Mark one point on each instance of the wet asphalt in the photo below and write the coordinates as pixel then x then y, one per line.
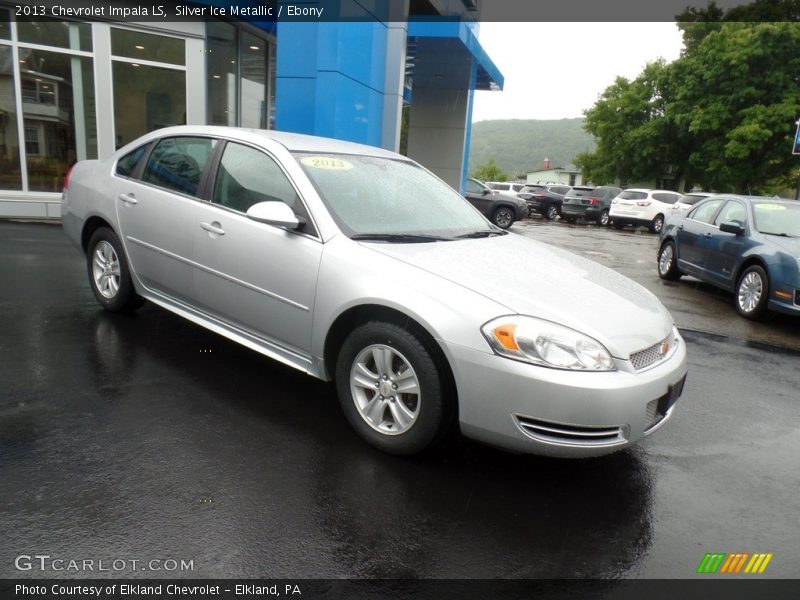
pixel 145 436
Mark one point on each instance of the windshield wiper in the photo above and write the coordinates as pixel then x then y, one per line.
pixel 782 234
pixel 399 238
pixel 481 234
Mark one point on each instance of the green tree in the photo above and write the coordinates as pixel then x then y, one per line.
pixel 721 116
pixel 490 171
pixel 736 100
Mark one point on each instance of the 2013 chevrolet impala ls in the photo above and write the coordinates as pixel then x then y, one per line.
pixel 357 265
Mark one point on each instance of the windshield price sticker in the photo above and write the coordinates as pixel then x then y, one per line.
pixel 770 206
pixel 325 162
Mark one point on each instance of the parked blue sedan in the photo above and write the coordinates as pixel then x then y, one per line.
pixel 746 245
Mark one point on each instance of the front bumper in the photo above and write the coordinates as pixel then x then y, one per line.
pixel 536 410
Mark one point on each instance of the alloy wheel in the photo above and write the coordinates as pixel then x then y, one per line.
pixel 750 290
pixel 385 389
pixel 106 270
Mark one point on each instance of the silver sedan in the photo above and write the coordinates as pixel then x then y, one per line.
pixel 357 265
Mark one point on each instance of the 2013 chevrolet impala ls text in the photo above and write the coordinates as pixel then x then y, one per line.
pixel 357 265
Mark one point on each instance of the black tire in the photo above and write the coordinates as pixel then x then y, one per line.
pixel 124 298
pixel 657 224
pixel 602 219
pixel 753 281
pixel 667 262
pixel 434 405
pixel 551 212
pixel 503 217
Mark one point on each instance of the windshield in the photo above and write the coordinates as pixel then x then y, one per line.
pixel 369 195
pixel 777 218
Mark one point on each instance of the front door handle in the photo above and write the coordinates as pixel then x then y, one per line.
pixel 128 198
pixel 681 226
pixel 706 235
pixel 214 227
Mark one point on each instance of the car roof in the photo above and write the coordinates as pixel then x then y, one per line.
pixel 294 142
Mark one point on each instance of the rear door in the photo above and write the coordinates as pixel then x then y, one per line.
pixel 256 277
pixel 155 205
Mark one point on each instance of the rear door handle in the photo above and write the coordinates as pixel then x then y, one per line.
pixel 128 198
pixel 214 227
pixel 681 227
pixel 706 235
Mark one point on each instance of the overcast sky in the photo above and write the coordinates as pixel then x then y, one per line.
pixel 556 70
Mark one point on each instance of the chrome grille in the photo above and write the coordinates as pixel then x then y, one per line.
pixel 653 354
pixel 562 433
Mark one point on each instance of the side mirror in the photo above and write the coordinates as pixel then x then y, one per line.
pixel 486 192
pixel 732 227
pixel 274 213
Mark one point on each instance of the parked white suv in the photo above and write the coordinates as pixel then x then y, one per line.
pixel 648 208
pixel 505 186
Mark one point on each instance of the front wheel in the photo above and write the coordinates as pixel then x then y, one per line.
pixel 109 276
pixel 668 263
pixel 551 212
pixel 503 217
pixel 390 389
pixel 752 293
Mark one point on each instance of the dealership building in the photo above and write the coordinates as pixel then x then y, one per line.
pixel 73 90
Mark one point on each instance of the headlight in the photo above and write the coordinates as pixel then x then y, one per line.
pixel 547 344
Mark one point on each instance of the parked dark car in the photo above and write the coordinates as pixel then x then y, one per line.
pixel 544 199
pixel 592 204
pixel 500 209
pixel 746 245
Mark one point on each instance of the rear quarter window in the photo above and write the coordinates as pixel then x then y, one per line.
pixel 127 164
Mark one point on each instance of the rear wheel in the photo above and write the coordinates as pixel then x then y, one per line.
pixel 657 224
pixel 668 262
pixel 602 219
pixel 551 212
pixel 109 276
pixel 752 293
pixel 391 390
pixel 503 217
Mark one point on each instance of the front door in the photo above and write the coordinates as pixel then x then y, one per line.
pixel 256 277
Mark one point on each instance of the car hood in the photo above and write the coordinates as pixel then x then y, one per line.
pixel 790 245
pixel 532 278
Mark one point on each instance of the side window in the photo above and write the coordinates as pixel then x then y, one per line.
pixel 473 188
pixel 127 164
pixel 666 198
pixel 705 212
pixel 247 176
pixel 178 163
pixel 733 211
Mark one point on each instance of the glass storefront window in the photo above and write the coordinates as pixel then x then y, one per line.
pixel 5 25
pixel 253 70
pixel 145 46
pixel 10 174
pixel 58 108
pixel 75 36
pixel 221 72
pixel 146 98
pixel 272 68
